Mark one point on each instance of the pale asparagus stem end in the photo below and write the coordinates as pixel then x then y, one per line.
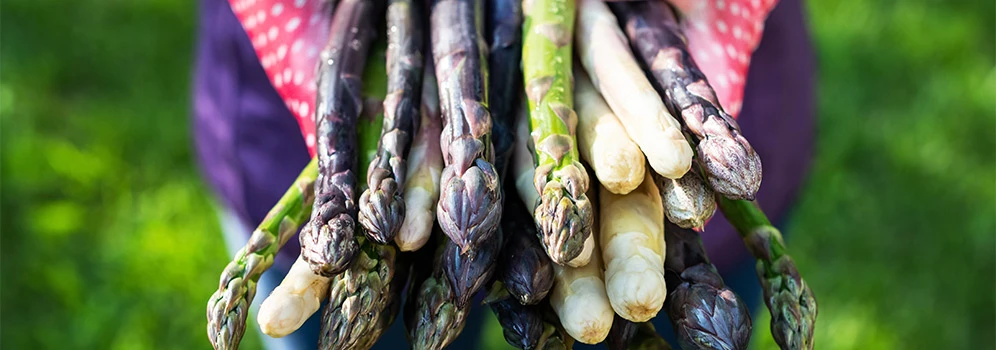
pixel 417 226
pixel 297 297
pixel 635 286
pixel 470 204
pixel 788 297
pixel 593 329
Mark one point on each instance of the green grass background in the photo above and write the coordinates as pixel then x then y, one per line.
pixel 110 241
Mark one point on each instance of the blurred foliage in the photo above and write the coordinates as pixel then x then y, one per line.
pixel 110 239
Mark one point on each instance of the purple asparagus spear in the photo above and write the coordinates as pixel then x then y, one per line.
pixel 382 206
pixel 470 198
pixel 731 165
pixel 328 246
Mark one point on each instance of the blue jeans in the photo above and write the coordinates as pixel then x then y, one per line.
pixel 742 280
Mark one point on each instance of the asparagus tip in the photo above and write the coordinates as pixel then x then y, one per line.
pixel 732 165
pixel 564 222
pixel 333 245
pixel 710 313
pixel 382 211
pixel 469 204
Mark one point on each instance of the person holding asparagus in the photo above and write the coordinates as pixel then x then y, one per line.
pixel 563 139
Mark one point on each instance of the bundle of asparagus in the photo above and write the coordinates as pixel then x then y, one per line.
pixel 419 129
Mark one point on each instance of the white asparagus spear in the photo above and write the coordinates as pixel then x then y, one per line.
pixel 632 242
pixel 425 165
pixel 617 161
pixel 606 56
pixel 524 170
pixel 579 297
pixel 297 297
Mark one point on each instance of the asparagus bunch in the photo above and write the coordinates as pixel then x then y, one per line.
pixel 788 297
pixel 328 245
pixel 731 165
pixel 704 312
pixel 606 57
pixel 422 185
pixel 228 307
pixel 470 199
pixel 564 212
pixel 688 201
pixel 382 206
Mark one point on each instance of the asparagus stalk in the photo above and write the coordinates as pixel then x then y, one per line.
pixel 704 312
pixel 564 212
pixel 422 185
pixel 688 201
pixel 524 268
pixel 788 297
pixel 524 169
pixel 470 200
pixel 617 161
pixel 228 307
pixel 360 299
pixel 731 165
pixel 632 240
pixel 504 28
pixel 606 57
pixel 433 317
pixel 328 245
pixel 580 300
pixel 382 206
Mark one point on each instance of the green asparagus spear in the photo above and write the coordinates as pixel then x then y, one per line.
pixel 791 302
pixel 433 317
pixel 328 245
pixel 228 307
pixel 704 312
pixel 470 199
pixel 731 165
pixel 504 27
pixel 361 299
pixel 382 206
pixel 564 212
